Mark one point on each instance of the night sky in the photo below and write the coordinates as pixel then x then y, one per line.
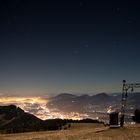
pixel 75 46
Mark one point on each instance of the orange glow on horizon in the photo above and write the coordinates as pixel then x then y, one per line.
pixel 14 100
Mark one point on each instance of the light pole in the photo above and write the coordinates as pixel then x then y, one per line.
pixel 126 87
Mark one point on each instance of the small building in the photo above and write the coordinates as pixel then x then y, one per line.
pixel 113 119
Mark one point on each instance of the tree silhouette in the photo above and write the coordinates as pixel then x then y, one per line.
pixel 136 117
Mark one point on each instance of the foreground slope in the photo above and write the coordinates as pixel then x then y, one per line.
pixel 81 132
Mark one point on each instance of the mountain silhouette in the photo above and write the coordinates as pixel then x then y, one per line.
pixel 69 102
pixel 84 103
pixel 14 120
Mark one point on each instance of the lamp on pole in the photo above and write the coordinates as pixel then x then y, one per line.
pixel 126 87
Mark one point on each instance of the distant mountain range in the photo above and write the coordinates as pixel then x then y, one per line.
pixel 68 102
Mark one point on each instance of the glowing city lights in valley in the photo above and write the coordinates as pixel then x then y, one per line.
pixel 38 107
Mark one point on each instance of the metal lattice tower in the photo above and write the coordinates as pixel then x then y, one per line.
pixel 126 88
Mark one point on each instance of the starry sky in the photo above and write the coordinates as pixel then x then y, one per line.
pixel 75 46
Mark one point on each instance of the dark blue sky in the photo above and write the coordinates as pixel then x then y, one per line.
pixel 78 46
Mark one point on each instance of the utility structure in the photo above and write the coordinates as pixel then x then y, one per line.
pixel 126 88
